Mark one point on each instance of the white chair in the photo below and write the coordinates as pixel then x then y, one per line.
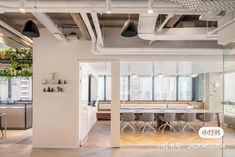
pixel 126 119
pixel 168 118
pixel 206 117
pixel 148 119
pixel 188 118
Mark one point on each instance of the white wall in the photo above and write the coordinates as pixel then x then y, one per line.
pixel 56 115
pixel 55 121
pixel 87 113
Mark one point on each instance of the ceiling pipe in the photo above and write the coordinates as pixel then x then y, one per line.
pixel 97 49
pixel 50 25
pixel 14 31
pixel 98 6
pixel 180 34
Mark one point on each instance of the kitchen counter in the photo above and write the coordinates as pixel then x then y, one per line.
pixel 19 115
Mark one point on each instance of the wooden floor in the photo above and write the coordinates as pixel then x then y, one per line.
pixel 99 136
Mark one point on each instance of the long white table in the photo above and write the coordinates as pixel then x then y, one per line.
pixel 170 110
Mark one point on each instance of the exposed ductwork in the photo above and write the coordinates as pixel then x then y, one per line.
pixel 96 47
pixel 98 6
pixel 180 34
pixel 50 25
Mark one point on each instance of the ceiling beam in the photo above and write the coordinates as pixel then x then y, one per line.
pixel 81 25
pixel 12 40
pixel 97 28
pixel 173 21
pixel 9 22
pixel 169 16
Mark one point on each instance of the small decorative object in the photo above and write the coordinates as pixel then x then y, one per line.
pixel 59 82
pixel 48 89
pixel 65 82
pixel 44 81
pixel 52 79
pixel 217 84
pixel 52 89
pixel 44 90
pixel 60 89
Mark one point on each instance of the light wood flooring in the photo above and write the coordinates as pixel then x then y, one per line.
pixel 99 136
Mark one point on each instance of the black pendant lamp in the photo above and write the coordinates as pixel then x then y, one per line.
pixel 30 29
pixel 129 29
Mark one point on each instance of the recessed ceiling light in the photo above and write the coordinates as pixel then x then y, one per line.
pixel 108 12
pixel 150 11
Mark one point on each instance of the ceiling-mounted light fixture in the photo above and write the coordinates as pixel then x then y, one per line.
pixel 134 75
pixel 30 29
pixel 150 7
pixel 129 29
pixel 194 75
pixel 22 6
pixel 108 6
pixel 160 75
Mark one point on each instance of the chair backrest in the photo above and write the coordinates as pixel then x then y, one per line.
pixel 148 117
pixel 189 117
pixel 169 117
pixel 127 117
pixel 208 117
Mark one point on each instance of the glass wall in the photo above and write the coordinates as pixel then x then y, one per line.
pixel 185 88
pixel 165 88
pixel 141 88
pixel 229 95
pixel 150 87
pixel 18 88
pixel 174 99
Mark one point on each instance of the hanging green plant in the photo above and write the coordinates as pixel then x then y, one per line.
pixel 19 61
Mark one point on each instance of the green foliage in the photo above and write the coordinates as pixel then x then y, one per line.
pixel 19 61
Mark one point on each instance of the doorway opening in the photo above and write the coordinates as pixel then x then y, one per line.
pixel 95 104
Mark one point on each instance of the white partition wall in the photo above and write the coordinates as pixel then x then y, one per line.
pixel 115 103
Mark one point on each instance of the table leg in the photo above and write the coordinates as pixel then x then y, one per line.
pixel 5 126
pixel 218 119
pixel 1 126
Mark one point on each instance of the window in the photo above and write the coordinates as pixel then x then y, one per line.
pixel 16 89
pixel 101 88
pixel 3 89
pixel 185 88
pixel 165 88
pixel 229 86
pixel 108 88
pixel 141 88
pixel 124 87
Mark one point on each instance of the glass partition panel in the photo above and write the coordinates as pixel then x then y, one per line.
pixel 185 88
pixel 229 96
pixel 164 88
pixel 141 88
pixel 168 103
